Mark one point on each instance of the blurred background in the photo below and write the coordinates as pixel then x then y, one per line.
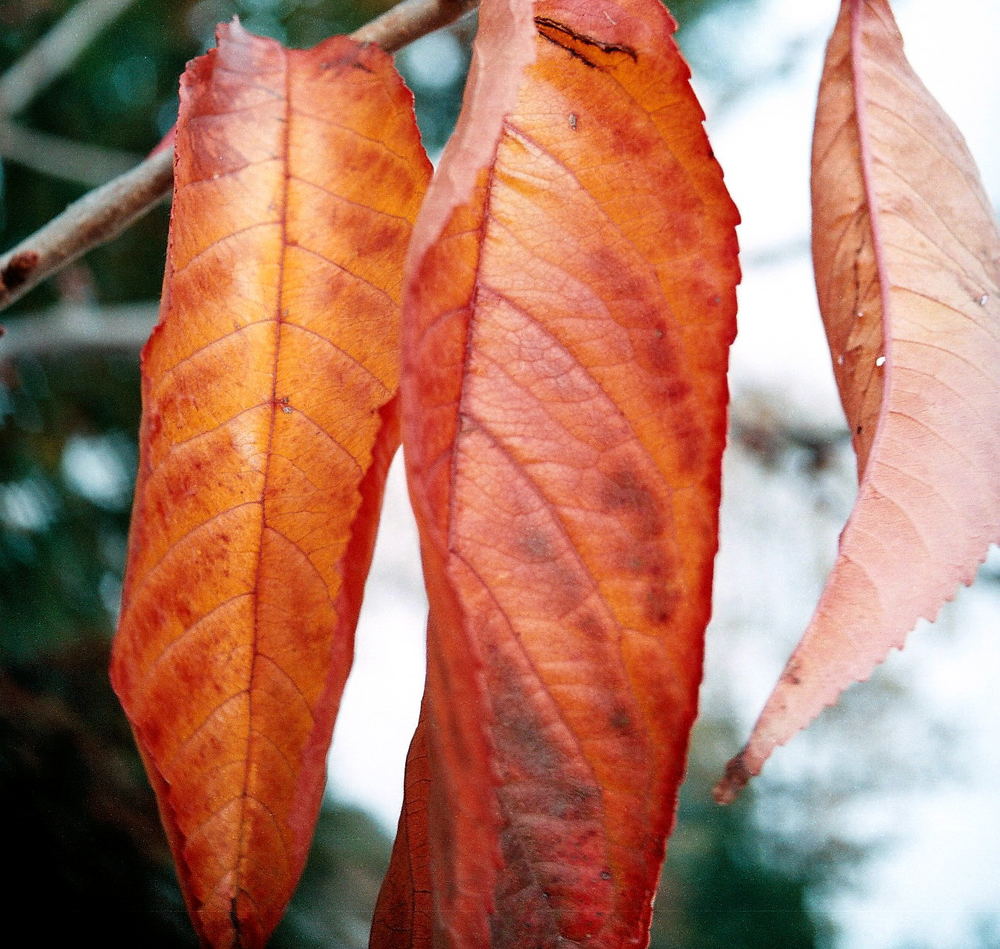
pixel 877 829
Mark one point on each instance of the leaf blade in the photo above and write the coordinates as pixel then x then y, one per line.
pixel 258 494
pixel 558 346
pixel 906 255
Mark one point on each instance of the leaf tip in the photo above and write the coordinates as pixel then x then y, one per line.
pixel 736 776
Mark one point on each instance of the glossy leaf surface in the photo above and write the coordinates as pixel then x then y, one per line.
pixel 269 418
pixel 907 261
pixel 569 306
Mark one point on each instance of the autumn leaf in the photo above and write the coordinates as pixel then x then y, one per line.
pixel 269 418
pixel 907 260
pixel 404 915
pixel 568 309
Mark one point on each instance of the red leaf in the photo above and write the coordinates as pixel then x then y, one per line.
pixel 906 254
pixel 569 306
pixel 269 417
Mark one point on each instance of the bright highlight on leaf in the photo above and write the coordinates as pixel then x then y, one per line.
pixel 907 260
pixel 269 418
pixel 568 310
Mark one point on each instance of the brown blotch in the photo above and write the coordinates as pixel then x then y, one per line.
pixel 624 492
pixel 620 720
pixel 591 627
pixel 377 239
pixel 17 271
pixel 520 734
pixel 676 390
pixel 534 544
pixel 604 262
pixel 661 604
pixel 660 348
pixel 645 560
pixel 791 674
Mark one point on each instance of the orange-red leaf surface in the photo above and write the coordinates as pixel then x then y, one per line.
pixel 269 417
pixel 907 260
pixel 569 305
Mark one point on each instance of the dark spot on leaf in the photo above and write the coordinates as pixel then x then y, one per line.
pixel 18 269
pixel 623 492
pixel 377 239
pixel 791 674
pixel 590 626
pixel 621 721
pixel 660 350
pixel 661 604
pixel 535 545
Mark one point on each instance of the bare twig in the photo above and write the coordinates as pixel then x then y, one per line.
pixel 55 52
pixel 79 162
pixel 71 328
pixel 410 20
pixel 104 213
pixel 95 219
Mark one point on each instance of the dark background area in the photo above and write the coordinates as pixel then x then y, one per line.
pixel 79 823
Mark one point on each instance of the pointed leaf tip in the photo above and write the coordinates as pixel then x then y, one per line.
pixel 736 777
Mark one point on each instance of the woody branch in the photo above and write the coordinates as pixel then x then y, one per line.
pixel 105 212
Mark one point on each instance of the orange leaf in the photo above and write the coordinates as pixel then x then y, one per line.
pixel 567 315
pixel 906 254
pixel 405 914
pixel 269 417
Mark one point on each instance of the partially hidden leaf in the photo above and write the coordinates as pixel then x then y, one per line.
pixel 907 260
pixel 270 413
pixel 569 305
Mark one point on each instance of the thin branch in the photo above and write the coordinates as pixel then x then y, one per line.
pixel 78 162
pixel 104 213
pixel 96 218
pixel 55 52
pixel 410 20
